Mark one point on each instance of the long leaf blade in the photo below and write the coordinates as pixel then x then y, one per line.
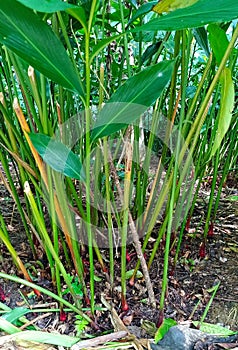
pixel 132 99
pixel 7 327
pixel 24 33
pixel 58 156
pixel 40 337
pixel 214 329
pixel 218 41
pixel 201 13
pixel 15 314
pixel 226 108
pixel 47 6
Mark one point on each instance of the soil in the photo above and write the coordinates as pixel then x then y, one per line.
pixel 190 284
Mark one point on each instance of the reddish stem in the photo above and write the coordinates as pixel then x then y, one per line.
pixel 160 318
pixel 124 305
pixel 87 301
pixel 187 226
pixel 132 281
pixel 211 230
pixel 202 250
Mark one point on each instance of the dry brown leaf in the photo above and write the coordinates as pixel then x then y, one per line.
pixel 7 343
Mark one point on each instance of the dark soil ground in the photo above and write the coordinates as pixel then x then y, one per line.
pixel 190 283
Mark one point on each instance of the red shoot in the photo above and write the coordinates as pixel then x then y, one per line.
pixel 124 305
pixel 211 230
pixel 128 256
pixel 63 316
pixel 187 226
pixel 37 293
pixel 171 272
pixel 202 250
pixel 132 281
pixel 87 300
pixel 160 319
pixel 2 295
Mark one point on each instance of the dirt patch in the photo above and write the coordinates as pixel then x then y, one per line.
pixel 189 283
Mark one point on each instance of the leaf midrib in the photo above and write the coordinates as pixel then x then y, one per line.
pixel 126 106
pixel 36 48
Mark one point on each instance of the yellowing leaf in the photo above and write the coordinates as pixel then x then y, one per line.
pixel 171 5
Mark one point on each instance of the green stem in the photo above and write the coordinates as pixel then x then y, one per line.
pixel 88 151
pixel 47 240
pixel 215 289
pixel 12 189
pixel 46 292
pixel 109 214
pixel 126 202
pixel 211 198
pixel 125 38
pixel 196 127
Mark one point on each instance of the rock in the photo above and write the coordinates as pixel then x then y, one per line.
pixel 179 338
pixel 184 338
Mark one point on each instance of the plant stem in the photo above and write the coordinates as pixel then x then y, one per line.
pixel 46 292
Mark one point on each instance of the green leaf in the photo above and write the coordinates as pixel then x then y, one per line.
pixel 142 10
pixel 7 327
pixel 218 41
pixel 201 13
pixel 97 278
pixel 101 44
pixel 226 107
pixel 200 35
pixel 79 14
pixel 47 6
pixel 150 51
pixel 15 314
pixel 76 285
pixel 163 329
pixel 4 307
pixel 232 198
pixel 132 99
pixel 58 156
pixel 45 338
pixel 24 33
pixel 213 329
pixel 130 273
